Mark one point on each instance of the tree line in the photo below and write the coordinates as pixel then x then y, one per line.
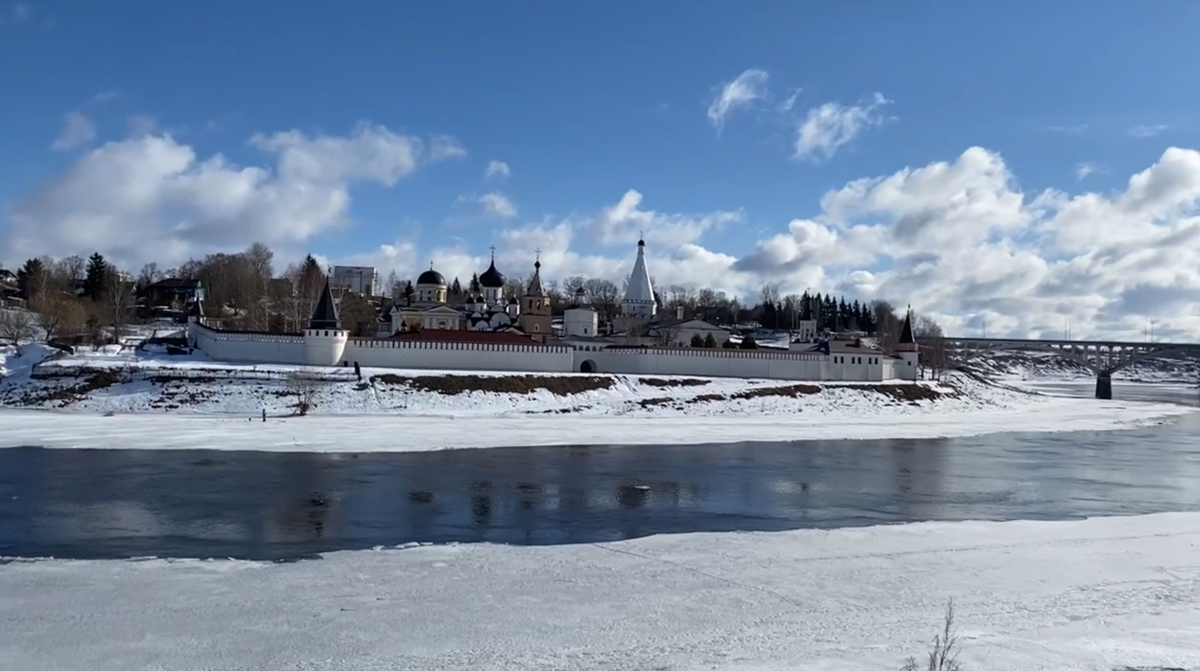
pixel 73 295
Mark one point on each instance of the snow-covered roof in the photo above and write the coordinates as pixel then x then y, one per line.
pixel 639 290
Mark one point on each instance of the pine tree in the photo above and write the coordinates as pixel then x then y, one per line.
pixel 96 278
pixel 474 286
pixel 709 341
pixel 697 341
pixel 31 279
pixel 456 290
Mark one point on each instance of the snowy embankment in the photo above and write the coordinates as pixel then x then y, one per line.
pixel 117 399
pixel 1107 593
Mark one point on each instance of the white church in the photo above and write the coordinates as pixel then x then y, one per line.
pixel 492 331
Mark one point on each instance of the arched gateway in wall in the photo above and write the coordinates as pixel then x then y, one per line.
pixel 588 366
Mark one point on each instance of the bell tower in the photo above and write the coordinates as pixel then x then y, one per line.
pixel 534 319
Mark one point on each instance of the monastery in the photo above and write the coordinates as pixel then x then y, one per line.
pixel 492 331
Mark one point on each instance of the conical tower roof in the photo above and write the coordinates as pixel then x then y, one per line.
pixel 906 331
pixel 640 291
pixel 325 317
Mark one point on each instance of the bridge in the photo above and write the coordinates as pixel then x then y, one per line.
pixel 1103 357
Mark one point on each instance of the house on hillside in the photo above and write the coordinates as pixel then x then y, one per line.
pixel 174 291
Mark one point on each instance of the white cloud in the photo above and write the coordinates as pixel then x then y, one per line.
pixel 1146 131
pixel 1082 170
pixel 958 239
pixel 498 204
pixel 830 126
pixel 151 198
pixel 624 222
pixel 104 97
pixel 498 169
pixel 445 147
pixel 77 131
pixel 748 88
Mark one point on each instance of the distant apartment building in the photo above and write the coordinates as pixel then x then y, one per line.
pixel 362 280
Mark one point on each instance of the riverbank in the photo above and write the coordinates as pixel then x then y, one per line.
pixel 1099 593
pixel 134 400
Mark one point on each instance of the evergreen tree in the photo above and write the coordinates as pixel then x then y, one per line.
pixel 806 311
pixel 408 292
pixel 31 279
pixel 96 278
pixel 474 285
pixel 709 341
pixel 749 343
pixel 310 272
pixel 456 290
pixel 697 341
pixel 728 344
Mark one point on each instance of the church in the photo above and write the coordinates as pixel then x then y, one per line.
pixel 488 310
pixel 495 308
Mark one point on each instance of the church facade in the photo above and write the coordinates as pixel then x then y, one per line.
pixel 495 329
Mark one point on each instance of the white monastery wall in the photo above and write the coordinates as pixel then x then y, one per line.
pixel 459 356
pixel 248 347
pixel 735 363
pixel 375 353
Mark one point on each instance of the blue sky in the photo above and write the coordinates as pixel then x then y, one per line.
pixel 584 101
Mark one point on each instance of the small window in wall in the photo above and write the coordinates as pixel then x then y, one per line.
pixel 327 334
pixel 910 363
pixel 585 330
pixel 537 327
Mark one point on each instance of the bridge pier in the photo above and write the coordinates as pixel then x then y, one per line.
pixel 1104 386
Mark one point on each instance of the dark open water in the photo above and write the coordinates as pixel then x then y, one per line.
pixel 123 503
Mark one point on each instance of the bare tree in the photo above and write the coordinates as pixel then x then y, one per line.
pixel 943 652
pixel 306 387
pixel 667 334
pixel 17 325
pixel 604 296
pixel 118 298
pixel 932 342
pixel 572 284
pixel 358 315
pixel 148 275
pixel 58 313
pixel 69 270
pixel 393 287
pixel 256 272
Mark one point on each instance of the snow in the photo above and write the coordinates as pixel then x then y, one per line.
pixel 1101 593
pixel 353 416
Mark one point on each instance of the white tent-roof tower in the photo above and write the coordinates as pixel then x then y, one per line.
pixel 639 294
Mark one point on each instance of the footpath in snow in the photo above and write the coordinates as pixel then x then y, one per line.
pixel 1108 593
pixel 118 400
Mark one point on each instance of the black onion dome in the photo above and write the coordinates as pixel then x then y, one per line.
pixel 491 278
pixel 431 276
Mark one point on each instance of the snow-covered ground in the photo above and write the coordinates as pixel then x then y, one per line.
pixel 119 397
pixel 1105 593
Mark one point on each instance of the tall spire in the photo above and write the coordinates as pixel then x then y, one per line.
pixel 906 331
pixel 325 317
pixel 639 294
